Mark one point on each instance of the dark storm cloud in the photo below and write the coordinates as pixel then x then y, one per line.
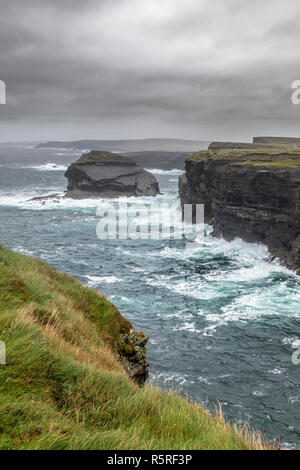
pixel 140 68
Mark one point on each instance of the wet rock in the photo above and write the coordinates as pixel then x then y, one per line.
pixel 133 355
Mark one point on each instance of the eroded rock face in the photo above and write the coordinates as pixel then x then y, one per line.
pixel 296 253
pixel 108 175
pixel 257 202
pixel 133 355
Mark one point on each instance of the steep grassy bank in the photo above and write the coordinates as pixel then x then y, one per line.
pixel 63 387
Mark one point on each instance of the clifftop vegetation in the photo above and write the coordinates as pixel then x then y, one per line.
pixel 286 157
pixel 101 156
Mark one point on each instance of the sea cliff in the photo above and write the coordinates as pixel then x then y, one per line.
pixel 249 193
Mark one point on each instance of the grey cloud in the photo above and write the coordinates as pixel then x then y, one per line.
pixel 204 69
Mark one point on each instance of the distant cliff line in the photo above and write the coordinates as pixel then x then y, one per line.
pixel 130 145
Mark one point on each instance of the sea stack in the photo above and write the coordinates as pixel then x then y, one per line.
pixel 108 175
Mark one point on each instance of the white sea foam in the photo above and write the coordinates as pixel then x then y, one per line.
pixel 276 371
pixel 291 341
pixel 158 171
pixel 171 378
pixel 24 200
pixel 23 251
pixel 248 307
pixel 181 314
pixel 294 399
pixel 48 167
pixel 187 326
pixel 137 270
pixel 16 199
pixel 258 393
pixel 121 298
pixel 249 267
pixel 95 280
pixel 69 154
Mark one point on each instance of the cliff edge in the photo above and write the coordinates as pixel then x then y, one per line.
pixel 249 193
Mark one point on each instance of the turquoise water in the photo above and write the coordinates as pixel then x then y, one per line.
pixel 222 320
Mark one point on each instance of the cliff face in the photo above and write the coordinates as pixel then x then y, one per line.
pixel 252 194
pixel 104 174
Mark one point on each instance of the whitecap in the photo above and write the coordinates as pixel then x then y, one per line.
pixel 69 154
pixel 171 377
pixel 47 167
pixel 291 341
pixel 276 371
pixel 23 251
pixel 94 280
pixel 187 326
pixel 158 171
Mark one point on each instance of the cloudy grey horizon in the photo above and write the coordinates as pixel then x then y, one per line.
pixel 116 69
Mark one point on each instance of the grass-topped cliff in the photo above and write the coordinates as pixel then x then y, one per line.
pixel 63 386
pixel 281 157
pixel 252 193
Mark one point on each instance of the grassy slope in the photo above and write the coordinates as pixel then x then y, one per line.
pixel 259 157
pixel 62 387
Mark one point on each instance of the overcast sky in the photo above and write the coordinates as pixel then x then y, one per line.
pixel 200 69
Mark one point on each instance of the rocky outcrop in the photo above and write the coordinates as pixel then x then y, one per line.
pixel 108 175
pixel 252 194
pixel 133 355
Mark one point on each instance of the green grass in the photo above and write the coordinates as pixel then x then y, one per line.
pixel 277 140
pixel 62 386
pixel 288 163
pixel 258 157
pixel 247 145
pixel 101 156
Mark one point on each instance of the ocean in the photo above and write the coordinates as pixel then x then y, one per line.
pixel 223 321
